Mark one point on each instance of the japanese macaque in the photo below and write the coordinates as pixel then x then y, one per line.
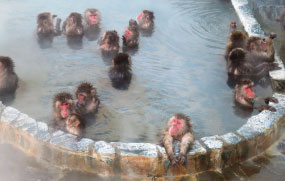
pixel 92 20
pixel 131 35
pixel 110 42
pixel 46 30
pixel 87 100
pixel 72 26
pixel 75 124
pixel 120 71
pixel 145 20
pixel 245 96
pixel 261 49
pixel 233 26
pixel 178 128
pixel 8 78
pixel 240 64
pixel 63 106
pixel 237 39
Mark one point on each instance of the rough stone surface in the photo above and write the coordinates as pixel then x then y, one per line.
pixel 9 114
pixel 142 149
pixel 197 148
pixel 212 142
pixel 231 138
pixel 1 107
pixel 63 138
pixel 21 120
pixel 101 147
pixel 57 133
pixel 81 145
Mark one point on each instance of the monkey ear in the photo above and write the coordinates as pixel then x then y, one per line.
pixel 57 104
pixel 76 123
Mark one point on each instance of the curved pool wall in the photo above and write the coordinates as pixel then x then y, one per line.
pixel 145 160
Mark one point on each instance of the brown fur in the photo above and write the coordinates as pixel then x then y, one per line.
pixel 184 135
pixel 75 124
pixel 58 100
pixel 132 41
pixel 110 41
pixel 94 12
pixel 74 29
pixel 146 22
pixel 91 101
pixel 45 25
pixel 237 39
pixel 8 77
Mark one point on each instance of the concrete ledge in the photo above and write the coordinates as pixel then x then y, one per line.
pixel 140 160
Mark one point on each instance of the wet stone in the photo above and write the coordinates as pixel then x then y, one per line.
pixel 197 148
pixel 81 145
pixel 212 142
pixel 9 114
pixel 1 107
pixel 231 138
pixel 57 133
pixel 101 147
pixel 62 138
pixel 247 132
pixel 160 149
pixel 21 120
pixel 43 136
pixel 142 149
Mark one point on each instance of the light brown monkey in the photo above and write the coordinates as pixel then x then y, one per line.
pixel 92 18
pixel 245 96
pixel 8 77
pixel 178 128
pixel 72 26
pixel 87 100
pixel 110 41
pixel 45 25
pixel 75 124
pixel 131 35
pixel 63 107
pixel 145 19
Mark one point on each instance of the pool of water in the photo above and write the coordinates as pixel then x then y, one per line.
pixel 179 68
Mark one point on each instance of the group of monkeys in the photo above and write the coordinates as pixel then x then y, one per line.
pixel 249 59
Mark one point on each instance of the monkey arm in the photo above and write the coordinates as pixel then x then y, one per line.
pixel 186 141
pixel 168 145
pixel 57 27
pixel 64 27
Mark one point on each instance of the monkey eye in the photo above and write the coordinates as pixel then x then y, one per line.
pixel 66 104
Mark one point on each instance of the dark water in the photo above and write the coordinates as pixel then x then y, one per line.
pixel 180 68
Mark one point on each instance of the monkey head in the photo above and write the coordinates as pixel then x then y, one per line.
pixel 237 35
pixel 111 37
pixel 122 60
pixel 244 93
pixel 145 19
pixel 45 23
pixel 6 64
pixel 272 35
pixel 258 44
pixel 178 125
pixel 85 92
pixel 233 25
pixel 74 124
pixel 63 104
pixel 92 16
pixel 74 19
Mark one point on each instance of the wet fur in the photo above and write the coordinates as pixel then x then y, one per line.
pixel 110 41
pixel 146 22
pixel 237 39
pixel 59 99
pixel 132 41
pixel 75 29
pixel 8 77
pixel 72 128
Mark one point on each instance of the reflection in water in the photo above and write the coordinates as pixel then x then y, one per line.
pixel 74 42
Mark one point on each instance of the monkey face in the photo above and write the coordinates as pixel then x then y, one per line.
pixel 176 125
pixel 93 18
pixel 81 97
pixel 65 109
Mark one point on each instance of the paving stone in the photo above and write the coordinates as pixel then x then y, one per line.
pixel 212 142
pixel 142 149
pixel 102 147
pixel 231 138
pixel 62 139
pixel 9 114
pixel 197 148
pixel 21 120
pixel 81 145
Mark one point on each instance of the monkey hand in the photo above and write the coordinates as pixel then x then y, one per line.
pixel 58 20
pixel 273 66
pixel 266 107
pixel 182 158
pixel 174 163
pixel 270 99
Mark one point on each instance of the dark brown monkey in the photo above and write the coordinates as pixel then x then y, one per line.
pixel 120 71
pixel 261 49
pixel 75 124
pixel 72 26
pixel 237 39
pixel 92 20
pixel 245 96
pixel 131 35
pixel 145 20
pixel 8 78
pixel 63 106
pixel 45 25
pixel 178 128
pixel 110 41
pixel 87 100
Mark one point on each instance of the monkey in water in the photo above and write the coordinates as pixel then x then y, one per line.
pixel 131 35
pixel 75 124
pixel 8 77
pixel 179 127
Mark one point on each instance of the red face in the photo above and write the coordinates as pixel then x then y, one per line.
pixel 93 18
pixel 64 110
pixel 263 44
pixel 127 34
pixel 80 97
pixel 233 24
pixel 140 16
pixel 71 21
pixel 249 92
pixel 176 125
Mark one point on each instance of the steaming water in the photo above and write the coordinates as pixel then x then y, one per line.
pixel 179 68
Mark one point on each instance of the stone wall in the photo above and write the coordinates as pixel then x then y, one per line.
pixel 139 160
